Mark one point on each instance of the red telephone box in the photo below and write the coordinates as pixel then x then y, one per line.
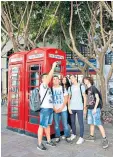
pixel 16 92
pixel 24 73
pixel 39 61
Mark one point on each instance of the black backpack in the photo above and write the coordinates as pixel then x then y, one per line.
pixel 52 90
pixel 80 93
pixel 100 97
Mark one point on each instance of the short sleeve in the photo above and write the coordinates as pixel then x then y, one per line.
pixel 83 89
pixel 86 91
pixel 94 90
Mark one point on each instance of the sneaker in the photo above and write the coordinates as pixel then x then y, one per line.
pixel 51 143
pixel 90 138
pixel 57 140
pixel 41 147
pixel 68 139
pixel 71 131
pixel 105 143
pixel 63 137
pixel 73 137
pixel 80 140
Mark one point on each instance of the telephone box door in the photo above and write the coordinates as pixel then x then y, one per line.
pixel 16 97
pixel 34 70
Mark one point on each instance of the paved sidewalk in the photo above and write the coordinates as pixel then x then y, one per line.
pixel 18 145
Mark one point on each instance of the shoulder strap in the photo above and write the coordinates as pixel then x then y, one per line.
pixel 44 96
pixel 63 89
pixel 81 93
pixel 52 90
pixel 71 91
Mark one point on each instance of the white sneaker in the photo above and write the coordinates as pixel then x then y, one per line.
pixel 73 137
pixel 63 137
pixel 80 140
pixel 71 131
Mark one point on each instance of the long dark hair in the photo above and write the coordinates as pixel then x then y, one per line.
pixel 67 85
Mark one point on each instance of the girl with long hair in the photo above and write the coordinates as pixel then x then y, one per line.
pixel 65 85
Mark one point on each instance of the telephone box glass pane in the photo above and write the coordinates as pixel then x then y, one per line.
pixel 14 102
pixel 34 73
pixel 34 83
pixel 14 112
pixel 34 68
pixel 14 96
pixel 14 92
pixel 14 76
pixel 15 82
pixel 15 69
pixel 32 119
pixel 14 89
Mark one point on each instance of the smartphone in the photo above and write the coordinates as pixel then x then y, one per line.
pixel 58 62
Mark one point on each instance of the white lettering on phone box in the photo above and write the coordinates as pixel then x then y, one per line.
pixel 16 59
pixel 56 56
pixel 36 56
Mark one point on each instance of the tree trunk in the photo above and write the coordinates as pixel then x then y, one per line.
pixel 103 89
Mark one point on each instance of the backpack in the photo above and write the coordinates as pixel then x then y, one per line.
pixel 35 101
pixel 80 93
pixel 100 97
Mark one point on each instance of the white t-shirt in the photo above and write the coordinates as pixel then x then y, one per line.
pixel 47 103
pixel 58 97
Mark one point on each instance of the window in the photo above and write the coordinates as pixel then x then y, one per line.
pixel 34 75
pixel 33 89
pixel 109 58
pixel 14 90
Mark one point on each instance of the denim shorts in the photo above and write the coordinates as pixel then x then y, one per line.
pixel 94 119
pixel 46 117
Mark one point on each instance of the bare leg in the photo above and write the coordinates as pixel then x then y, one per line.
pixel 92 129
pixel 47 131
pixel 101 128
pixel 40 134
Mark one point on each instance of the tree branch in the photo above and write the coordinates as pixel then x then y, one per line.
pixel 4 30
pixel 39 32
pixel 101 24
pixel 104 49
pixel 50 24
pixel 107 9
pixel 8 27
pixel 22 18
pixel 74 57
pixel 26 28
pixel 80 18
pixel 73 43
pixel 4 44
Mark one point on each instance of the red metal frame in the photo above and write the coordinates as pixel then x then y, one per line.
pixel 45 60
pixel 39 56
pixel 16 60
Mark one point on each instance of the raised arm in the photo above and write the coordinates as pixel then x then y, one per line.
pixel 49 76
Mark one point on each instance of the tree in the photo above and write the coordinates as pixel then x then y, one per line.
pixel 99 37
pixel 28 22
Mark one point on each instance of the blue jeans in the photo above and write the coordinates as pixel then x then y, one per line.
pixel 57 116
pixel 46 117
pixel 80 120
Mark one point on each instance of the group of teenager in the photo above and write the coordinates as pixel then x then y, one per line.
pixel 63 101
